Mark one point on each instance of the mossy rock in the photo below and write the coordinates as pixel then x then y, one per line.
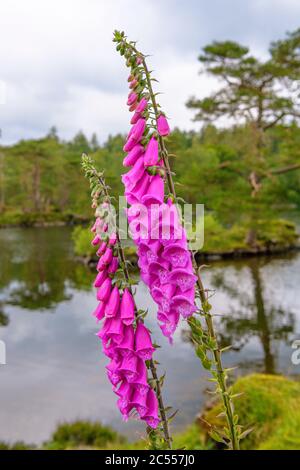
pixel 271 405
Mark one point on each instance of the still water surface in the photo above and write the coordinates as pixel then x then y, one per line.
pixel 55 368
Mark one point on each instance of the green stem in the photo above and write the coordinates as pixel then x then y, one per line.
pixel 227 402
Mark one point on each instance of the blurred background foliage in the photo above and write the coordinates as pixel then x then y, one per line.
pixel 42 180
pixel 247 174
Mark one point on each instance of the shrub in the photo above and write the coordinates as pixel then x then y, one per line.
pixel 83 434
pixel 82 237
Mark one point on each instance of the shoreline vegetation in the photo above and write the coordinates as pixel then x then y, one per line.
pixel 273 237
pixel 41 185
pixel 269 403
pixel 278 237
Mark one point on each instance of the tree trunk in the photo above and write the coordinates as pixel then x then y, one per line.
pixel 2 178
pixel 36 185
pixel 251 238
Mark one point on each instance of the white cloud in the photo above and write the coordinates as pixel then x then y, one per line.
pixel 60 67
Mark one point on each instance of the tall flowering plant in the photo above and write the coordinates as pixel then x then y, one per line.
pixel 164 259
pixel 166 264
pixel 126 341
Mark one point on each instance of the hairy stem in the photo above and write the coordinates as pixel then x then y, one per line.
pixel 227 402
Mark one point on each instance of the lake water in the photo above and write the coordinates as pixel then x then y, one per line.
pixel 55 368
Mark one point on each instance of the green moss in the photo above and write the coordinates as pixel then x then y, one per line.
pixel 192 438
pixel 270 404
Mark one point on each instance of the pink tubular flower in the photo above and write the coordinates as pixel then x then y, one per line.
pixel 151 416
pixel 182 278
pixel 130 178
pixel 138 129
pixel 115 329
pixel 100 278
pixel 142 105
pixel 163 296
pixel 104 291
pixel 112 239
pixel 183 306
pixel 132 98
pixel 127 308
pixel 133 155
pixel 151 154
pixel 96 224
pixel 133 83
pixel 129 367
pixel 143 344
pixel 177 255
pixel 140 382
pixel 135 117
pixel 96 240
pixel 126 346
pixel 114 264
pixel 130 143
pixel 163 126
pixel 135 194
pixel 102 248
pixel 107 257
pixel 113 372
pixel 112 303
pixel 109 348
pixel 139 401
pixel 155 192
pixel 133 107
pixel 99 312
pixel 125 392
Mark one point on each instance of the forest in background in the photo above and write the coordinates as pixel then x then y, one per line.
pixel 42 181
pixel 247 175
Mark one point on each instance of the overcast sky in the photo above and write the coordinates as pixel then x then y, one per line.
pixel 59 66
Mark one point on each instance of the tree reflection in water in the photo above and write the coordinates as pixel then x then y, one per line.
pixel 255 316
pixel 38 268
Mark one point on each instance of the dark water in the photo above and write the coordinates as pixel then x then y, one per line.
pixel 55 368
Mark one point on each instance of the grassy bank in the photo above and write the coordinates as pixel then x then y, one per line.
pixel 269 404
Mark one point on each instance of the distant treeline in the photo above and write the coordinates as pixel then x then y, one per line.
pixel 212 166
pixel 245 175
